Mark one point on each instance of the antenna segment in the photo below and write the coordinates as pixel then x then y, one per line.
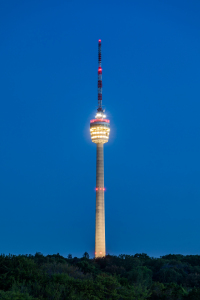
pixel 99 79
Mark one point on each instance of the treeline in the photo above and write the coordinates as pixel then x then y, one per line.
pixel 138 277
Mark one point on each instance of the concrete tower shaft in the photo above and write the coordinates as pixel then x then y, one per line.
pixel 100 247
pixel 99 130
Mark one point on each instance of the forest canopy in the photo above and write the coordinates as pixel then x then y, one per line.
pixel 138 277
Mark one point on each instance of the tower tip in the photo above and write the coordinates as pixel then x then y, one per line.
pixel 99 41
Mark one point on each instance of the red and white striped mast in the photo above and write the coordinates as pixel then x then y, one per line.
pixel 99 79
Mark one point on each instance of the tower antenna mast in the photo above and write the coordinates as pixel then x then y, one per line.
pixel 99 79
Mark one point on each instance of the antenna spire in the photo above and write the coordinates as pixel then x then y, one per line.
pixel 99 78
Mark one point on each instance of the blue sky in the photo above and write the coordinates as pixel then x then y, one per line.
pixel 151 93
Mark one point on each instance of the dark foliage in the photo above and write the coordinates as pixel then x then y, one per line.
pixel 137 277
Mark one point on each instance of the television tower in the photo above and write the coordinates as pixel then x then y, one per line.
pixel 99 130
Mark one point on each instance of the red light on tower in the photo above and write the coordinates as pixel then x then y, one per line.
pixel 99 41
pixel 100 72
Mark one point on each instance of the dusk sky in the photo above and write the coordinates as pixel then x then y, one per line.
pixel 48 94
